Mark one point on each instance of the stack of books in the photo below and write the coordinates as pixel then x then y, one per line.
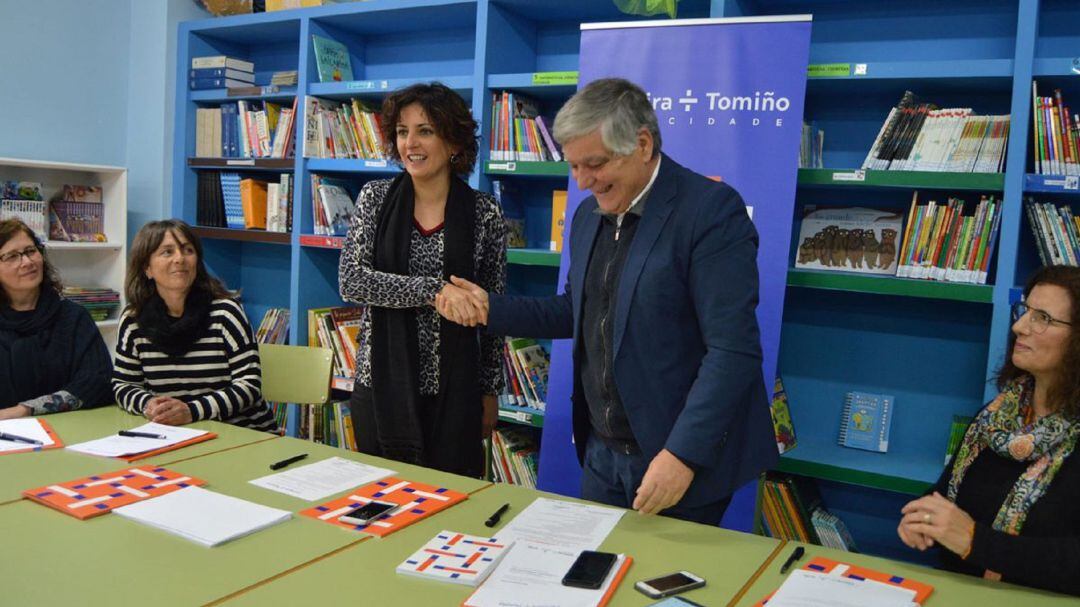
pixel 941 243
pixel 245 129
pixel 920 137
pixel 1056 231
pixel 514 457
pixel 100 303
pixel 1056 133
pixel 333 129
pixel 220 72
pixel 337 329
pixel 791 509
pixel 284 78
pixel 525 374
pixel 519 132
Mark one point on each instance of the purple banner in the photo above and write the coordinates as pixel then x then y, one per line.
pixel 729 97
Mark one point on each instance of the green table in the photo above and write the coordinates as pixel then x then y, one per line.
pixel 364 573
pixel 950 589
pixel 59 560
pixel 27 470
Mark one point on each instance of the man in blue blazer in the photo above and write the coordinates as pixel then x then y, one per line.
pixel 670 411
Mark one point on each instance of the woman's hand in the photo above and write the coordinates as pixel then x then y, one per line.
pixel 490 415
pixel 935 519
pixel 14 412
pixel 167 410
pixel 455 304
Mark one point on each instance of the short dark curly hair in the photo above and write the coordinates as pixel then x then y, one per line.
pixel 447 111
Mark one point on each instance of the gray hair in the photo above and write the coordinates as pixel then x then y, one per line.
pixel 618 107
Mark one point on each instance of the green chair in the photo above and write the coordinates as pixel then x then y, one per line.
pixel 296 374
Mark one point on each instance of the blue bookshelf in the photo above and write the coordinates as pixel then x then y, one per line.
pixel 932 346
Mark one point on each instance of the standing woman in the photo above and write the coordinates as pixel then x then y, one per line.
pixel 425 391
pixel 1006 505
pixel 52 357
pixel 185 351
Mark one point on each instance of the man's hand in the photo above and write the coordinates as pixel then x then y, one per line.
pixel 167 410
pixel 458 305
pixel 490 415
pixel 664 483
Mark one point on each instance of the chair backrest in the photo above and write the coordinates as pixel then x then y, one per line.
pixel 296 374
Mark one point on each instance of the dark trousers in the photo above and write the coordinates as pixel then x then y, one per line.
pixel 613 478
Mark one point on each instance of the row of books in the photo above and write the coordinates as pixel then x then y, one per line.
pixel 274 328
pixel 100 303
pixel 1056 231
pixel 1056 134
pixel 920 137
pixel 75 214
pixel 525 373
pixel 331 205
pixel 791 509
pixel 245 129
pixel 519 132
pixel 941 243
pixel 220 71
pixel 225 200
pixel 514 457
pixel 333 129
pixel 337 329
pixel 812 146
pixel 328 424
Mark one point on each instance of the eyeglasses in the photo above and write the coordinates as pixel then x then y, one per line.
pixel 1039 319
pixel 15 257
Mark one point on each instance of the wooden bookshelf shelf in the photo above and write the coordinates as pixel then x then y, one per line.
pixel 322 242
pixel 855 178
pixel 1052 184
pixel 539 85
pixel 525 416
pixel 351 165
pixel 60 245
pixel 840 474
pixel 242 235
pixel 243 164
pixel 527 169
pixel 272 94
pixel 533 257
pixel 381 87
pixel 915 70
pixel 889 285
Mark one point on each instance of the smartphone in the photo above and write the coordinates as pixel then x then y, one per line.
pixel 667 585
pixel 590 569
pixel 368 513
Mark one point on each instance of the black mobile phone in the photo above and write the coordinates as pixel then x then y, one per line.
pixel 367 513
pixel 590 569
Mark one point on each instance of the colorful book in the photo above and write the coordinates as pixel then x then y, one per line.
pixel 781 418
pixel 866 421
pixel 99 494
pixel 332 59
pixel 456 557
pixel 849 240
pixel 920 591
pixel 558 219
pixel 417 501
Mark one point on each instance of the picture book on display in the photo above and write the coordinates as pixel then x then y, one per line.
pixel 865 421
pixel 416 501
pixel 99 494
pixel 781 418
pixel 332 59
pixel 849 240
pixel 456 557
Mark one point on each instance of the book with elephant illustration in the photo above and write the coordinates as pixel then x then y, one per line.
pixel 852 239
pixel 866 420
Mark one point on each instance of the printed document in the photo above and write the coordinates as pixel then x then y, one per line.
pixel 321 479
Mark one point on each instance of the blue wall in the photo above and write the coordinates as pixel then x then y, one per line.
pixel 91 81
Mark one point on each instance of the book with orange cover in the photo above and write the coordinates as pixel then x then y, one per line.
pixel 56 442
pixel 418 501
pixel 253 201
pixel 134 457
pixel 828 566
pixel 95 495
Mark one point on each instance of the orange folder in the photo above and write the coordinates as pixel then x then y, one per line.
pixel 253 200
pixel 95 495
pixel 824 565
pixel 420 501
pixel 57 443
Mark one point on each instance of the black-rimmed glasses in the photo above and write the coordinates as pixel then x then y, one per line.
pixel 14 257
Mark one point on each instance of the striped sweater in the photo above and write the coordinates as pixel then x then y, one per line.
pixel 219 378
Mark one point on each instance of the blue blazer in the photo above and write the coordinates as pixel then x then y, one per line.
pixel 687 352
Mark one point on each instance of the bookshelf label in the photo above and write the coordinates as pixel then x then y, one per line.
pixel 378 164
pixel 367 85
pixel 246 163
pixel 553 78
pixel 1067 183
pixel 503 166
pixel 828 70
pixel 859 175
pixel 860 69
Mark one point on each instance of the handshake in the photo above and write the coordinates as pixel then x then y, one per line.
pixel 462 302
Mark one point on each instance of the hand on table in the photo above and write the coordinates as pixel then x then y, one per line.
pixel 167 410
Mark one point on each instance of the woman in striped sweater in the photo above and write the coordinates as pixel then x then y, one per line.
pixel 185 351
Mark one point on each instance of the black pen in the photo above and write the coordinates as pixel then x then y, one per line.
pixel 15 438
pixel 134 434
pixel 286 462
pixel 494 520
pixel 796 555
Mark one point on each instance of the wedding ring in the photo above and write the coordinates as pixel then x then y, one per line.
pixel 926 518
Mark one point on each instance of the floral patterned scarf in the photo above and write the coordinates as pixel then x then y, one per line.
pixel 1008 426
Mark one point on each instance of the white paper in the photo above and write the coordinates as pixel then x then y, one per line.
pixel 805 588
pixel 568 525
pixel 115 445
pixel 26 427
pixel 203 516
pixel 531 576
pixel 321 479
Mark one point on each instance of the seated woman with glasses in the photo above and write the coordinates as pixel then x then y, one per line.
pixel 1006 505
pixel 185 351
pixel 52 357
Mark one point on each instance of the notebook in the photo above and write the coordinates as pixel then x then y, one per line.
pixel 417 501
pixel 865 421
pixel 202 516
pixel 456 557
pixel 99 494
pixel 917 591
pixel 132 448
pixel 28 427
